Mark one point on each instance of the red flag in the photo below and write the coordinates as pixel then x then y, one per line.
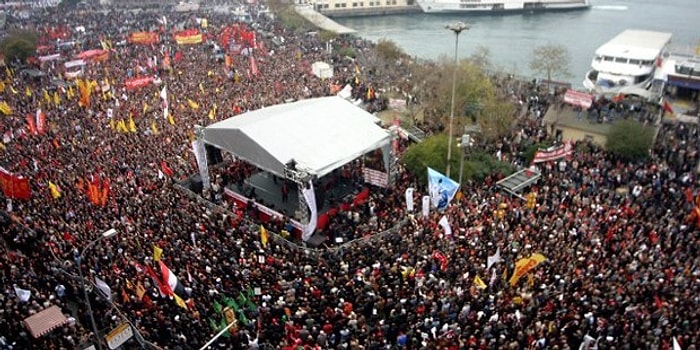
pixel 162 289
pixel 165 168
pixel 104 193
pixel 658 302
pixel 14 186
pixel 31 125
pixel 253 66
pixel 178 56
pixel 40 121
pixel 667 107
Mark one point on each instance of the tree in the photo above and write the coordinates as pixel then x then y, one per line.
pixel 19 45
pixel 630 140
pixel 481 57
pixel 552 60
pixel 431 154
pixel 388 50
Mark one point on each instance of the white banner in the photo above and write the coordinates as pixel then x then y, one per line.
pixel 310 198
pixel 445 224
pixel 409 199
pixel 577 98
pixel 426 205
pixel 201 155
pixel 553 153
pixel 375 177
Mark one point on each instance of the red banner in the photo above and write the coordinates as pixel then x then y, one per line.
pixel 577 98
pixel 94 55
pixel 137 83
pixel 143 38
pixel 14 186
pixel 553 153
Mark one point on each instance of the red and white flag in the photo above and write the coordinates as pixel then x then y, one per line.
pixel 164 101
pixel 170 281
pixel 554 153
pixel 254 66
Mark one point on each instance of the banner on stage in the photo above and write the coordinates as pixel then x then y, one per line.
pixel 375 177
pixel 201 156
pixel 14 186
pixel 310 198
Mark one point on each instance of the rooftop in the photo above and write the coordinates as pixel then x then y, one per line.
pixel 637 44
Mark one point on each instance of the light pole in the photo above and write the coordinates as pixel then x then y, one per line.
pixel 457 28
pixel 463 145
pixel 109 233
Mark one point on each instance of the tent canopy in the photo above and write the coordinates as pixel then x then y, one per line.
pixel 320 135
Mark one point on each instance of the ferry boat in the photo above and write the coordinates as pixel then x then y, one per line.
pixel 626 64
pixel 500 6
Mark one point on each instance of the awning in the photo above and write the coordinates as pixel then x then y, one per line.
pixel 45 321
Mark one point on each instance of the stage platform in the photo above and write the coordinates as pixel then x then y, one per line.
pixel 267 192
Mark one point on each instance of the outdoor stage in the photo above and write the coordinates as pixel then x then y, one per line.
pixel 331 191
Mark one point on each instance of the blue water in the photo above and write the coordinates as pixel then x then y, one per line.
pixel 511 38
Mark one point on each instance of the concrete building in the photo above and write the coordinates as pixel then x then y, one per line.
pixel 350 8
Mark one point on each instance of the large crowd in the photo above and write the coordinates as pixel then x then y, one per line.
pixel 623 259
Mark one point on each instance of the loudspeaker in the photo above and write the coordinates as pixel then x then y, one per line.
pixel 195 184
pixel 213 155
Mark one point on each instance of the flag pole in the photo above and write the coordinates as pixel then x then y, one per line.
pixel 218 335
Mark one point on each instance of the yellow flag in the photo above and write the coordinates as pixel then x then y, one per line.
pixel 121 126
pixel 524 265
pixel 145 107
pixel 157 253
pixel 192 104
pixel 212 112
pixel 2 86
pixel 171 120
pixel 14 92
pixel 27 91
pixel 70 93
pixel 111 124
pixel 154 128
pixel 180 302
pixel 53 189
pixel 5 108
pixel 47 98
pixel 132 125
pixel 201 87
pixel 264 236
pixel 56 98
pixel 479 283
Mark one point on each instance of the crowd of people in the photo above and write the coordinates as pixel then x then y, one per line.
pixel 622 268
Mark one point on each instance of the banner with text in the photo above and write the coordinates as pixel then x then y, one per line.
pixel 375 177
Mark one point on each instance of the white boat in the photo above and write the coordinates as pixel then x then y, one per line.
pixel 500 6
pixel 626 64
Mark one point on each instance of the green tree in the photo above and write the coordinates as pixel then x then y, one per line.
pixel 551 60
pixel 388 50
pixel 630 140
pixel 326 35
pixel 432 153
pixel 433 85
pixel 19 45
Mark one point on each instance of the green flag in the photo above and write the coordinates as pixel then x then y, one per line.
pixel 213 325
pixel 251 293
pixel 230 302
pixel 242 300
pixel 223 325
pixel 242 318
pixel 217 307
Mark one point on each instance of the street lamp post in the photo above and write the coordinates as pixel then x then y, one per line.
pixel 107 234
pixel 457 28
pixel 463 145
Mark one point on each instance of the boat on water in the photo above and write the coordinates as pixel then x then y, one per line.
pixel 501 6
pixel 626 64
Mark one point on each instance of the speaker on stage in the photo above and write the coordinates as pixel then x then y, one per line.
pixel 213 154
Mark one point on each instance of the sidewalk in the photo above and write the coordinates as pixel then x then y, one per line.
pixel 321 21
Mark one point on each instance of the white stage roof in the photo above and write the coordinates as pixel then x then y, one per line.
pixel 320 135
